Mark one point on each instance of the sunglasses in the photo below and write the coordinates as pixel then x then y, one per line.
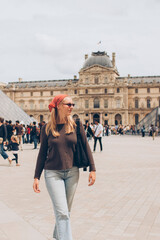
pixel 69 104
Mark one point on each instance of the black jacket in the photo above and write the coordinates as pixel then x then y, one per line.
pixel 3 132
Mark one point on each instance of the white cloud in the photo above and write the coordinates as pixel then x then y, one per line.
pixel 48 39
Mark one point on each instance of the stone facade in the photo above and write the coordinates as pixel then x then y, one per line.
pixel 99 93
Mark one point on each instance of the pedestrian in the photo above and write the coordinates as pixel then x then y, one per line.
pixel 9 134
pixel 89 132
pixel 153 130
pixel 98 129
pixel 19 133
pixel 15 148
pixel 34 133
pixel 143 131
pixel 56 157
pixel 3 136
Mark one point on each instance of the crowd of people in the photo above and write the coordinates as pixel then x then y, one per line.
pixel 13 136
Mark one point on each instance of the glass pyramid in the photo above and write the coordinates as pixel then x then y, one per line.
pixel 10 111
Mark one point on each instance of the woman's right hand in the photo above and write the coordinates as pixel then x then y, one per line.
pixel 36 185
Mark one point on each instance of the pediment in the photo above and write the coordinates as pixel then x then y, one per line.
pixel 95 68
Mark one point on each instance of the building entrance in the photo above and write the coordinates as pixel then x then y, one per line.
pixel 118 119
pixel 96 117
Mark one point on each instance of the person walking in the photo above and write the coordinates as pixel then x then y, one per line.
pixel 89 132
pixel 143 131
pixel 34 135
pixel 56 157
pixel 19 133
pixel 9 134
pixel 98 129
pixel 15 148
pixel 3 136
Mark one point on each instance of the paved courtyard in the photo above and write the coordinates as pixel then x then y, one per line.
pixel 124 203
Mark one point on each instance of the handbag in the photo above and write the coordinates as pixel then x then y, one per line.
pixel 1 140
pixel 80 158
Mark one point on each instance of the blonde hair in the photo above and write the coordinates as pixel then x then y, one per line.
pixel 52 124
pixel 14 139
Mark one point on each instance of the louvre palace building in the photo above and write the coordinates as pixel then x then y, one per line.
pixel 98 93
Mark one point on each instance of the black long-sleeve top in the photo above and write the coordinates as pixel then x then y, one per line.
pixel 57 153
pixel 3 132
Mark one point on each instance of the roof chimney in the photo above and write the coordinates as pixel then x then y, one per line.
pixel 20 79
pixel 86 56
pixel 113 59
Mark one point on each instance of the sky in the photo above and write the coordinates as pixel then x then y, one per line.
pixel 47 39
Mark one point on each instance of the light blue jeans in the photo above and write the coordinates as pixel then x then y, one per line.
pixel 61 185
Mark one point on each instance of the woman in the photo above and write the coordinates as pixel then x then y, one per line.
pixel 56 157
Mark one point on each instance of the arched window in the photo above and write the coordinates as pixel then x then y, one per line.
pixel 96 103
pixel 118 103
pixel 21 105
pixel 105 90
pixel 96 80
pixel 86 91
pixel 31 105
pixel 105 103
pixel 136 118
pixel 148 103
pixel 136 103
pixel 136 90
pixel 118 90
pixel 86 104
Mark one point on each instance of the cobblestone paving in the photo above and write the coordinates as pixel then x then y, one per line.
pixel 124 203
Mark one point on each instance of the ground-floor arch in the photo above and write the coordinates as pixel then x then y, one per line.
pixel 118 119
pixel 96 117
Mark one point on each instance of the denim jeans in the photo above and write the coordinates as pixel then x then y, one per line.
pixel 35 140
pixel 2 152
pixel 61 185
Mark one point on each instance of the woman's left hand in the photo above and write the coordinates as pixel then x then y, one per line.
pixel 92 178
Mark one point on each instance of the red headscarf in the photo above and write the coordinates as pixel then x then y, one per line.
pixel 56 101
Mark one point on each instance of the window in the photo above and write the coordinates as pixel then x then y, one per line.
pixel 41 94
pixel 75 91
pixel 136 90
pixel 96 80
pixel 136 103
pixel 31 105
pixel 21 94
pixel 86 104
pixel 148 90
pixel 31 94
pixel 136 118
pixel 22 105
pixel 118 90
pixel 105 80
pixel 86 114
pixel 118 103
pixel 41 105
pixel 86 91
pixel 106 114
pixel 51 93
pixel 105 103
pixel 105 90
pixel 96 103
pixel 148 103
pixel 86 80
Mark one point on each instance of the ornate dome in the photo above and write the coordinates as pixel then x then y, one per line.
pixel 98 58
